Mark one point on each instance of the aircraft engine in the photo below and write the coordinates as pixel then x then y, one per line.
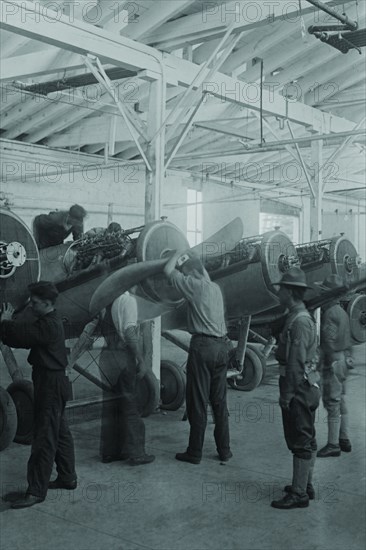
pixel 19 259
pixel 246 273
pixel 336 255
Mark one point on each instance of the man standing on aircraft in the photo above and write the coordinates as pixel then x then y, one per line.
pixel 335 343
pixel 299 388
pixel 208 354
pixel 53 228
pixel 52 439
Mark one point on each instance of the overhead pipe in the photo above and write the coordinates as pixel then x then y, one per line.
pixel 351 25
pixel 273 145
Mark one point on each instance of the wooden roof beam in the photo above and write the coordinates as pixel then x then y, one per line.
pixel 16 16
pixel 215 18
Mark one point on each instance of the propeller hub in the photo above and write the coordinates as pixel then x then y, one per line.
pixel 12 255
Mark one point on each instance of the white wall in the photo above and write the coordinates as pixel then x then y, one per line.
pixel 95 191
pixel 216 213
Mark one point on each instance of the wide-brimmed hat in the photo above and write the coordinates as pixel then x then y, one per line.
pixel 331 282
pixel 293 277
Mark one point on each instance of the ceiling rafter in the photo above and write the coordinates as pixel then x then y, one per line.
pixel 214 19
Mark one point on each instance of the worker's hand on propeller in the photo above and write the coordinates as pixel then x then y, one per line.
pixel 7 311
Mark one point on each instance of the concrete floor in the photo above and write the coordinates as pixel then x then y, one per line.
pixel 168 505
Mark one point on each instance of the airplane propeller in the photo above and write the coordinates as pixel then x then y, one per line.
pixel 122 280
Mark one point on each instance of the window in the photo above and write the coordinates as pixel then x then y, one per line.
pixel 286 223
pixel 194 217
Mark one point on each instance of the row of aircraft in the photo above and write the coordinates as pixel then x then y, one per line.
pixel 92 272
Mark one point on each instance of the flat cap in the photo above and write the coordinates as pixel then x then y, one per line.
pixel 44 289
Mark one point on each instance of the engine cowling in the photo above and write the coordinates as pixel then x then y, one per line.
pixel 19 259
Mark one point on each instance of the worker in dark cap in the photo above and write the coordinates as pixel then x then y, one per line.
pixel 299 388
pixel 53 228
pixel 336 359
pixel 208 354
pixel 52 440
pixel 113 227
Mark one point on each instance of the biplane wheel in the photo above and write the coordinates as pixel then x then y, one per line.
pixel 172 386
pixel 8 419
pixel 148 394
pixel 252 373
pixel 263 360
pixel 22 394
pixel 356 310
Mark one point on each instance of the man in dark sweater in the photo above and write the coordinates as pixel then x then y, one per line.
pixel 53 228
pixel 52 439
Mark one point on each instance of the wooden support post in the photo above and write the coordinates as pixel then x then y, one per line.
pixel 317 184
pixel 316 204
pixel 151 330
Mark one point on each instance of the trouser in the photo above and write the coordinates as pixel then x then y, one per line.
pixel 299 419
pixel 52 439
pixel 206 382
pixel 122 428
pixel 334 378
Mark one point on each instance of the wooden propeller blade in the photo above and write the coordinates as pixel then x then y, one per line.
pixel 224 240
pixel 122 280
pixel 147 310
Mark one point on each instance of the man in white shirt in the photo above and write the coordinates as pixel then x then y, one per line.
pixel 121 362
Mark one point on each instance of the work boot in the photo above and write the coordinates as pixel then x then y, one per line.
pixel 27 501
pixel 345 445
pixel 291 500
pixel 328 451
pixel 139 460
pixel 107 459
pixel 226 457
pixel 310 491
pixel 59 484
pixel 186 457
pixel 297 497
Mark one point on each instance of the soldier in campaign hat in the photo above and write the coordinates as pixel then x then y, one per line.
pixel 336 354
pixel 299 388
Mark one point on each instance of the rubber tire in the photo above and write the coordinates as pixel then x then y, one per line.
pixel 148 394
pixel 172 370
pixel 8 419
pixel 357 305
pixel 252 373
pixel 22 394
pixel 263 360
